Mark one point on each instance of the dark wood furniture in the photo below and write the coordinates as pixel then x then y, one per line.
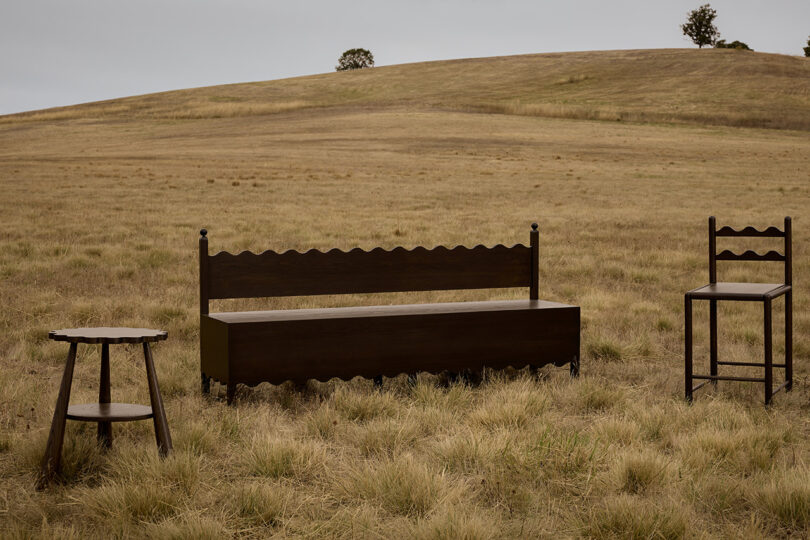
pixel 276 346
pixel 743 292
pixel 104 412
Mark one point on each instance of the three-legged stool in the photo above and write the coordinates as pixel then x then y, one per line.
pixel 103 412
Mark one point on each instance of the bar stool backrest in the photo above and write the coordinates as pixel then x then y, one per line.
pixel 750 232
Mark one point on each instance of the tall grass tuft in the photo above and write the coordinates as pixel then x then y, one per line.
pixel 402 486
pixel 276 458
pixel 640 472
pixel 260 504
pixel 628 516
pixel 786 498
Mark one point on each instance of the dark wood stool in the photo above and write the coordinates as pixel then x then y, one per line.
pixel 103 412
pixel 743 292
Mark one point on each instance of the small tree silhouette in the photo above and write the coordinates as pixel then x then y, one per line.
pixel 699 26
pixel 355 59
pixel 807 49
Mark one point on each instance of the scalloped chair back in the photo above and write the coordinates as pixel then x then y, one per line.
pixel 749 255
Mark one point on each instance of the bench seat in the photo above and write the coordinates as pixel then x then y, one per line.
pixel 301 344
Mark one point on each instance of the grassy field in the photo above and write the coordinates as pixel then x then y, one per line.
pixel 99 216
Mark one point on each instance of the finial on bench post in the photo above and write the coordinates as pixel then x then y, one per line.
pixel 534 283
pixel 203 272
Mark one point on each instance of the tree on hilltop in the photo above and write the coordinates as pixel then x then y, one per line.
pixel 699 26
pixel 807 49
pixel 355 59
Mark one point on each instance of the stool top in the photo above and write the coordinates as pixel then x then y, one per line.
pixel 107 335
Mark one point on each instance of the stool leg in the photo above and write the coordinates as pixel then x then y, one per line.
pixel 53 450
pixel 164 438
pixel 789 341
pixel 768 353
pixel 687 339
pixel 105 428
pixel 713 339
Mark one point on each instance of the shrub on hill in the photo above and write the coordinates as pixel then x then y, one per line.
pixel 807 49
pixel 733 45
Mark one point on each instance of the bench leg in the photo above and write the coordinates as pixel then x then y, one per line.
pixel 230 393
pixel 574 369
pixel 105 428
pixel 474 377
pixel 53 450
pixel 205 383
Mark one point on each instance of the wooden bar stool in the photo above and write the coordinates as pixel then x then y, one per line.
pixel 746 292
pixel 103 412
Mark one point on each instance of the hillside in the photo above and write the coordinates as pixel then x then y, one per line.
pixel 713 86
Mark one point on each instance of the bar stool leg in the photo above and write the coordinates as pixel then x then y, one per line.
pixel 53 450
pixel 768 353
pixel 713 339
pixel 105 428
pixel 789 341
pixel 687 338
pixel 164 438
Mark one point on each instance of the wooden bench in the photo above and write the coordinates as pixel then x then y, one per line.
pixel 274 346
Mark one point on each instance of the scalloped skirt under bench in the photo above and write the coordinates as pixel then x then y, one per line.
pixel 252 347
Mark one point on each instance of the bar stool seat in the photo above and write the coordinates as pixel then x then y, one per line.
pixel 739 291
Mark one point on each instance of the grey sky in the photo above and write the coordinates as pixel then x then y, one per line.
pixel 61 52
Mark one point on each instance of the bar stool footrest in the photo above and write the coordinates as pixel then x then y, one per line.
pixel 723 378
pixel 754 364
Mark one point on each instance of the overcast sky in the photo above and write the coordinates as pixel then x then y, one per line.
pixel 62 52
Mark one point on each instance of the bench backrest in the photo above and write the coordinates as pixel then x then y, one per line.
pixel 250 275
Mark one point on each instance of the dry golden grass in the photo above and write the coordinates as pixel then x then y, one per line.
pixel 99 215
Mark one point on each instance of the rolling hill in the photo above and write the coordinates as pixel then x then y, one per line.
pixel 712 86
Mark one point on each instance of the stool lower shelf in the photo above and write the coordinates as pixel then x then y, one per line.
pixel 109 412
